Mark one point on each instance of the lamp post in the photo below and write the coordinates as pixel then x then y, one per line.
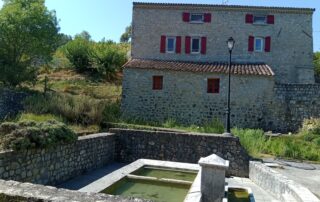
pixel 230 43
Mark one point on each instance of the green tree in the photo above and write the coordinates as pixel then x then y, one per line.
pixel 316 60
pixel 84 35
pixel 78 52
pixel 28 35
pixel 126 36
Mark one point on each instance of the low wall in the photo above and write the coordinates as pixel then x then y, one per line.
pixel 10 102
pixel 132 145
pixel 274 182
pixel 16 191
pixel 56 165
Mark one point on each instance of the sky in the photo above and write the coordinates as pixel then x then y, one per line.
pixel 108 18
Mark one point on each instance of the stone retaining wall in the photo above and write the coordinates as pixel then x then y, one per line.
pixel 16 191
pixel 132 145
pixel 56 165
pixel 10 102
pixel 279 185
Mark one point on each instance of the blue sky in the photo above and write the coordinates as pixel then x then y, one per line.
pixel 108 18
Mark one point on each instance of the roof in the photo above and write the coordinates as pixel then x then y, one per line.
pixel 259 69
pixel 223 7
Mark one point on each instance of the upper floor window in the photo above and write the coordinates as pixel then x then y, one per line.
pixel 259 19
pixel 195 45
pixel 196 18
pixel 171 44
pixel 258 44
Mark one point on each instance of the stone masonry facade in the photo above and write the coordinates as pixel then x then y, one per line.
pixel 278 99
pixel 291 51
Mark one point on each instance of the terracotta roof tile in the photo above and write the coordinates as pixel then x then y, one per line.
pixel 260 69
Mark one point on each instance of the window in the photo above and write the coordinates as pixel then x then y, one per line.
pixel 259 19
pixel 196 18
pixel 171 41
pixel 157 82
pixel 195 45
pixel 213 86
pixel 258 44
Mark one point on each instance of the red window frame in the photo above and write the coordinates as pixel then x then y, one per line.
pixel 213 85
pixel 157 82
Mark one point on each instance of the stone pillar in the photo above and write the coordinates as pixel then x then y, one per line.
pixel 213 170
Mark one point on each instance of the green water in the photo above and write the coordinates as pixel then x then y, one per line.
pixel 146 189
pixel 166 173
pixel 238 195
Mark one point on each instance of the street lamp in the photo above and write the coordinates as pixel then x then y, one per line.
pixel 230 43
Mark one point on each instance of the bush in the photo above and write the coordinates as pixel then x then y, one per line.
pixel 112 112
pixel 38 117
pixel 311 126
pixel 75 109
pixel 29 135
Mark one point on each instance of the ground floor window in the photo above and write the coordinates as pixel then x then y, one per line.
pixel 213 85
pixel 157 83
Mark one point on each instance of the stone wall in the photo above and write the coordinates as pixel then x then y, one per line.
pixel 10 102
pixel 291 46
pixel 184 97
pixel 56 165
pixel 292 104
pixel 132 145
pixel 11 191
pixel 280 186
pixel 256 102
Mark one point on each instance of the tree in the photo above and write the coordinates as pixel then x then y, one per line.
pixel 84 35
pixel 126 36
pixel 316 60
pixel 28 35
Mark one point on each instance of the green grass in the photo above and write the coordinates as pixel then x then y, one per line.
pixel 38 117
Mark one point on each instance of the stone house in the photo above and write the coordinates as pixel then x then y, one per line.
pixel 180 58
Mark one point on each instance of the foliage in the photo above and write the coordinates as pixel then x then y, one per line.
pixel 60 61
pixel 74 109
pixel 292 147
pixel 108 58
pixel 126 36
pixel 78 52
pixel 28 35
pixel 38 117
pixel 311 127
pixel 112 112
pixel 316 60
pixel 28 135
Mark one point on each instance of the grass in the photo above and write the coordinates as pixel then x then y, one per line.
pixel 38 117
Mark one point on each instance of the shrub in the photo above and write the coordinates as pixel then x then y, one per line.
pixel 111 112
pixel 75 109
pixel 311 126
pixel 38 117
pixel 30 134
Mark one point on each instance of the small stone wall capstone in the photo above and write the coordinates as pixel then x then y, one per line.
pixel 56 165
pixel 132 145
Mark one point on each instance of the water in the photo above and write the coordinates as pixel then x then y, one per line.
pixel 238 195
pixel 166 173
pixel 155 190
pixel 147 189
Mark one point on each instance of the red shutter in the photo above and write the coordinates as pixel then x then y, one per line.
pixel 213 86
pixel 267 47
pixel 207 17
pixel 163 44
pixel 188 44
pixel 251 43
pixel 157 82
pixel 186 17
pixel 249 18
pixel 178 44
pixel 270 19
pixel 203 45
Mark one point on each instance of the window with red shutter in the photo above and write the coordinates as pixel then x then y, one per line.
pixel 186 17
pixel 188 44
pixel 207 17
pixel 178 44
pixel 203 45
pixel 251 43
pixel 213 86
pixel 163 44
pixel 267 47
pixel 157 83
pixel 270 19
pixel 249 18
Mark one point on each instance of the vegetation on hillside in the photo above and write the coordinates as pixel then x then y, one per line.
pixel 29 134
pixel 316 61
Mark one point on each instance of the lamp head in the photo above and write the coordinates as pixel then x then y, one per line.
pixel 230 43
